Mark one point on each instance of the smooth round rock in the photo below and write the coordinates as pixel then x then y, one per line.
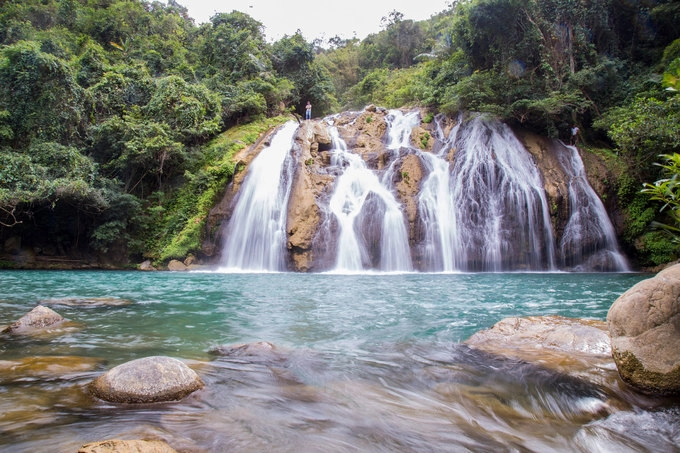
pixel 147 380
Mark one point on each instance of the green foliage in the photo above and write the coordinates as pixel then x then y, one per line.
pixel 640 213
pixel 46 173
pixel 121 223
pixel 667 192
pixel 133 148
pixel 671 78
pixel 424 140
pixel 233 45
pixel 343 65
pixel 655 248
pixel 396 47
pixel 40 93
pixel 391 89
pixel 190 110
pixel 294 59
pixel 645 128
pixel 6 132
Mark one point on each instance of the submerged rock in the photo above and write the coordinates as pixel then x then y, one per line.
pixel 38 319
pixel 644 324
pixel 259 351
pixel 127 446
pixel 57 367
pixel 87 301
pixel 147 380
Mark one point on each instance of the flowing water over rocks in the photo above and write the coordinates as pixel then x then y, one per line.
pixel 382 190
pixel 323 362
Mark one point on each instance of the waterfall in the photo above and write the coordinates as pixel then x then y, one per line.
pixel 479 206
pixel 400 127
pixel 369 218
pixel 436 207
pixel 495 215
pixel 256 232
pixel 589 241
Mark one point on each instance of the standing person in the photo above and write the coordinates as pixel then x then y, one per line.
pixel 308 111
pixel 574 134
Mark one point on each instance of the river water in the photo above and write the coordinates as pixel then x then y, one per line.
pixel 366 362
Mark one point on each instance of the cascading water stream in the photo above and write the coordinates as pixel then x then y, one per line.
pixel 496 216
pixel 366 213
pixel 481 207
pixel 589 240
pixel 256 233
pixel 436 208
pixel 400 127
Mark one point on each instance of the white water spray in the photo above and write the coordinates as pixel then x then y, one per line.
pixel 256 233
pixel 436 208
pixel 368 216
pixel 495 217
pixel 589 240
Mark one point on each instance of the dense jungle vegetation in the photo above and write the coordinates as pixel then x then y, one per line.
pixel 118 118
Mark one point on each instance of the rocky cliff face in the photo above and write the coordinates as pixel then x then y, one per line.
pixel 312 230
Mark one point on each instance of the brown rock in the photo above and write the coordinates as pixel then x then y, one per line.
pixel 309 183
pixel 556 182
pixel 411 175
pixel 13 245
pixel 38 319
pixel 146 266
pixel 55 367
pixel 127 446
pixel 147 380
pixel 176 265
pixel 644 324
pixel 422 138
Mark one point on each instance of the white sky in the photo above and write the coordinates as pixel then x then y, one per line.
pixel 314 18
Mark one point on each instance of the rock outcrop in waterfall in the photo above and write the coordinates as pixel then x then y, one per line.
pixel 384 190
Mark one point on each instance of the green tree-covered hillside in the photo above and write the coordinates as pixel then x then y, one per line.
pixel 118 118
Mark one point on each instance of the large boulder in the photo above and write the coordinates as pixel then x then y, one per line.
pixel 644 324
pixel 147 380
pixel 579 348
pixel 127 446
pixel 38 319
